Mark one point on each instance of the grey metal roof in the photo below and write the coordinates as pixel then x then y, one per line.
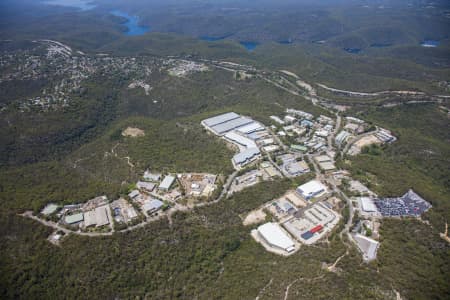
pixel 220 119
pixel 248 154
pixel 154 204
pixel 232 124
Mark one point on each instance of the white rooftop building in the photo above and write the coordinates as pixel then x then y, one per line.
pixel 240 140
pixel 277 120
pixel 367 246
pixel 166 183
pixel 275 237
pixel 250 128
pixel 220 119
pixel 152 176
pixel 367 204
pixel 311 189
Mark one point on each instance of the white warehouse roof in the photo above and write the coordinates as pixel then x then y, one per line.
pixel 241 140
pixel 368 205
pixel 167 182
pixel 273 234
pixel 230 125
pixel 252 127
pixel 311 189
pixel 367 246
pixel 220 119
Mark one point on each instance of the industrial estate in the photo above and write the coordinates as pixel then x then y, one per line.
pixel 292 145
pixel 297 144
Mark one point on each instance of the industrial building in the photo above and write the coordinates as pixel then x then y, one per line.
pixel 325 163
pixel 152 206
pixel 275 237
pixel 251 128
pixel 245 157
pixel 312 189
pixel 299 113
pixel 223 128
pixel 152 176
pixel 96 217
pixel 166 183
pixel 146 186
pixel 297 168
pixel 351 127
pixel 299 148
pixel 133 194
pixel 367 206
pixel 220 119
pixel 241 131
pixel 240 140
pixel 277 120
pixel 307 123
pixel 49 209
pixel 73 219
pixel 385 136
pixel 311 224
pixel 367 246
pixel 342 137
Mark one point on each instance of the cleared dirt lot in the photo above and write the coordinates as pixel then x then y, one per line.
pixel 133 132
pixel 255 217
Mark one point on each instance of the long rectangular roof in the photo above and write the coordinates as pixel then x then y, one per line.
pixel 241 140
pixel 273 234
pixel 75 218
pixel 220 119
pixel 252 127
pixel 167 182
pixel 230 125
pixel 243 156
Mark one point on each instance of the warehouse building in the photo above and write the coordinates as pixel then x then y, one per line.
pixel 251 128
pixel 312 189
pixel 342 137
pixel 152 176
pixel 133 194
pixel 220 119
pixel 146 186
pixel 277 120
pixel 224 127
pixel 275 237
pixel 367 246
pixel 299 113
pixel 297 168
pixel 96 217
pixel 325 163
pixel 73 219
pixel 166 183
pixel 245 157
pixel 49 209
pixel 152 206
pixel 240 140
